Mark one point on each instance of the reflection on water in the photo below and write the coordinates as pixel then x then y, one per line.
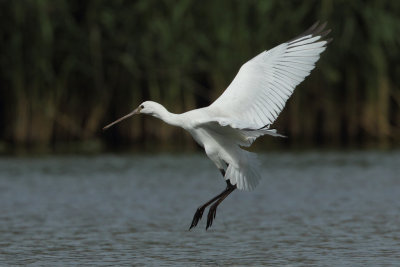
pixel 310 208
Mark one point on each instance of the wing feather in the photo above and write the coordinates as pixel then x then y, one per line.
pixel 263 85
pixel 304 42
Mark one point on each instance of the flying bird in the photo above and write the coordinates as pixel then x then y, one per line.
pixel 245 111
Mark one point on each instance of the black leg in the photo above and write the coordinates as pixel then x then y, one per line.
pixel 220 197
pixel 199 212
pixel 213 209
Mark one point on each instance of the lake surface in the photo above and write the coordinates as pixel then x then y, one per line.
pixel 322 209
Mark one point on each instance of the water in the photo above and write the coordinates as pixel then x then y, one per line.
pixel 322 209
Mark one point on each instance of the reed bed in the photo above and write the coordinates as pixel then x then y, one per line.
pixel 69 67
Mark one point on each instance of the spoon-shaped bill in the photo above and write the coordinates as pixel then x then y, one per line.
pixel 136 111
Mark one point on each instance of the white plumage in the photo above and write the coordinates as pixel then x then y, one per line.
pixel 245 110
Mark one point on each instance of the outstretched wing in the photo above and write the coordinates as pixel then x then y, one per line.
pixel 263 85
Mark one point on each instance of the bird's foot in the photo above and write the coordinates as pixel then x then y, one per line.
pixel 197 217
pixel 211 215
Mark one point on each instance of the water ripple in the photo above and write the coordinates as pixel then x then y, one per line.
pixel 322 209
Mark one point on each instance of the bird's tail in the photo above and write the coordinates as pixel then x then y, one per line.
pixel 252 135
pixel 244 174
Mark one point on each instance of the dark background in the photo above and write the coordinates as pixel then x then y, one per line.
pixel 70 67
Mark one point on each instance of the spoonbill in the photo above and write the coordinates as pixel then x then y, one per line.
pixel 245 111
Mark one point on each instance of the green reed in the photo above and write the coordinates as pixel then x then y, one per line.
pixel 69 67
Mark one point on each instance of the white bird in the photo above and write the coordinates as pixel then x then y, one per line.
pixel 245 111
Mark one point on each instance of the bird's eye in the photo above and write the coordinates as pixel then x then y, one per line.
pixel 141 106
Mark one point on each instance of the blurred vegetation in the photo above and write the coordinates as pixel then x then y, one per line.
pixel 70 67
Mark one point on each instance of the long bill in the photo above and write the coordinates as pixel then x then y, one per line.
pixel 136 111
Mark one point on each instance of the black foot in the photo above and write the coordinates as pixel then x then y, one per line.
pixel 197 217
pixel 211 214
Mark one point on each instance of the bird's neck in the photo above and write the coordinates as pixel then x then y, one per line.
pixel 168 117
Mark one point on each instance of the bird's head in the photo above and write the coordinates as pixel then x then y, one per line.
pixel 147 107
pixel 150 108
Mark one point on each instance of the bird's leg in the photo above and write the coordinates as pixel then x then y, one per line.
pixel 213 209
pixel 199 212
